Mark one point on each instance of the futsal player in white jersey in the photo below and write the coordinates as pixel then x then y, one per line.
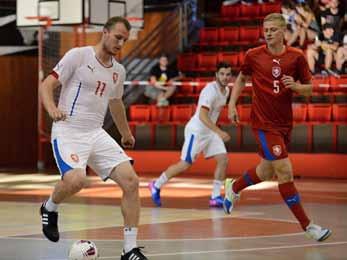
pixel 202 134
pixel 91 80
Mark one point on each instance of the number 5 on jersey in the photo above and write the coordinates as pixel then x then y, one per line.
pixel 100 88
pixel 276 85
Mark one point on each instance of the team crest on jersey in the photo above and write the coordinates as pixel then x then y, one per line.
pixel 74 157
pixel 276 71
pixel 277 150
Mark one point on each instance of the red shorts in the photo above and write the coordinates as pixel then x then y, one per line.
pixel 272 143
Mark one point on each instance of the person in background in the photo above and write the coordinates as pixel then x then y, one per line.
pixel 161 86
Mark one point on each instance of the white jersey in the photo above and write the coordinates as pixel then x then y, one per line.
pixel 212 98
pixel 87 87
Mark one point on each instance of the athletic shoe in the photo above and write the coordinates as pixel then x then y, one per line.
pixel 49 224
pixel 317 232
pixel 134 254
pixel 230 196
pixel 216 202
pixel 155 192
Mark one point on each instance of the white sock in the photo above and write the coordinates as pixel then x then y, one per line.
pixel 161 180
pixel 217 185
pixel 50 205
pixel 130 236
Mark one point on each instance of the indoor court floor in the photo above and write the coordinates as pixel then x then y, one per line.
pixel 260 227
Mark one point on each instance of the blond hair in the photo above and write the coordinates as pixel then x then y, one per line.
pixel 276 17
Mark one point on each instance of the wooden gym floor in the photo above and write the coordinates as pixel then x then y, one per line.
pixel 260 227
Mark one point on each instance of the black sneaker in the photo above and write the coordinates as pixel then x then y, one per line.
pixel 49 224
pixel 134 254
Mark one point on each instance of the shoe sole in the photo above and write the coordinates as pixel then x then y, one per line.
pixel 325 236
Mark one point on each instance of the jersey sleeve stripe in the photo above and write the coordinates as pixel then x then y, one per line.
pixel 54 74
pixel 74 102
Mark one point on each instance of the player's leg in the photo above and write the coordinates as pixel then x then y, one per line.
pixel 192 146
pixel 216 148
pixel 110 161
pixel 312 57
pixel 71 159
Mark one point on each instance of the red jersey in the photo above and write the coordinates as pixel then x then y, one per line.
pixel 271 101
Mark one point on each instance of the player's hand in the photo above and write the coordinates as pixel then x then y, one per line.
pixel 128 141
pixel 57 115
pixel 233 115
pixel 224 135
pixel 288 82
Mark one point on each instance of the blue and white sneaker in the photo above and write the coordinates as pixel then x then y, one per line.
pixel 155 192
pixel 317 232
pixel 230 196
pixel 216 202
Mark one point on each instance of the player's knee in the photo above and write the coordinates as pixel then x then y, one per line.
pixel 223 161
pixel 131 184
pixel 283 171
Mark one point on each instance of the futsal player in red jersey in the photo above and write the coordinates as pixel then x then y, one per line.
pixel 276 71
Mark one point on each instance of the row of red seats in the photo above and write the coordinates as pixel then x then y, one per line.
pixel 175 115
pixel 207 61
pixel 226 36
pixel 321 85
pixel 245 12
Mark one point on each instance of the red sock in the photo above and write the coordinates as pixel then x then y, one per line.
pixel 249 178
pixel 291 196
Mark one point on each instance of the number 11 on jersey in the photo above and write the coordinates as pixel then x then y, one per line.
pixel 100 88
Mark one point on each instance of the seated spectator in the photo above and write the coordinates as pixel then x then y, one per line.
pixel 309 27
pixel 161 79
pixel 324 49
pixel 333 15
pixel 341 56
pixel 290 15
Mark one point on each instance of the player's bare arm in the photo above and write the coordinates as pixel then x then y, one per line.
pixel 46 93
pixel 203 116
pixel 302 89
pixel 119 117
pixel 240 82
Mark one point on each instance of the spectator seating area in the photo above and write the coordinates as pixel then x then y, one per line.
pixel 235 30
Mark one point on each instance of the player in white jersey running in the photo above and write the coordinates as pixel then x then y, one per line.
pixel 202 134
pixel 91 80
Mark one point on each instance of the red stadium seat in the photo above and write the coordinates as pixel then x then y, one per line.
pixel 180 116
pixel 186 61
pixel 340 113
pixel 339 85
pixel 159 116
pixel 299 113
pixel 138 115
pixel 249 34
pixel 230 12
pixel 223 117
pixel 268 8
pixel 339 118
pixel 244 111
pixel 319 113
pixel 241 57
pixel 231 57
pixel 250 11
pixel 208 36
pixel 228 35
pixel 186 89
pixel 320 84
pixel 206 61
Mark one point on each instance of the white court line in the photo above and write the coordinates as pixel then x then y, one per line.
pixel 241 250
pixel 168 239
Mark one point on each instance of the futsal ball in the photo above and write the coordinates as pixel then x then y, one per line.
pixel 83 250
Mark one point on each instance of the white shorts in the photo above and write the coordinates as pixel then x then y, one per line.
pixel 195 143
pixel 76 149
